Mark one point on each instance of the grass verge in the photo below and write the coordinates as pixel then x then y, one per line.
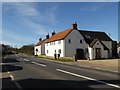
pixel 62 59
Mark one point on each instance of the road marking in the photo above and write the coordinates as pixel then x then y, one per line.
pixel 8 72
pixel 12 77
pixel 88 78
pixel 5 57
pixel 26 60
pixel 39 64
pixel 18 85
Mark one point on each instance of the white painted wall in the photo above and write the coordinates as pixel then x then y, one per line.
pixel 39 50
pixel 118 50
pixel 108 44
pixel 105 54
pixel 70 48
pixel 92 51
pixel 43 48
pixel 51 48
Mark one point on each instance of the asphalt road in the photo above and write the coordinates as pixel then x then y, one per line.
pixel 28 72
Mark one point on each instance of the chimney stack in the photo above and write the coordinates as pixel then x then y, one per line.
pixel 40 39
pixel 47 36
pixel 53 33
pixel 74 25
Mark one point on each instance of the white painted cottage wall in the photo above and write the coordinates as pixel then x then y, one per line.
pixel 51 48
pixel 118 50
pixel 104 53
pixel 39 50
pixel 43 48
pixel 70 48
pixel 90 50
pixel 108 44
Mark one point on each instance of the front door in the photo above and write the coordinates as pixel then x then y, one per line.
pixel 80 53
pixel 98 53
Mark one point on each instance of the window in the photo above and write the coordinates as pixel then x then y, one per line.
pixel 47 51
pixel 59 51
pixel 59 42
pixel 54 43
pixel 80 41
pixel 69 40
pixel 36 49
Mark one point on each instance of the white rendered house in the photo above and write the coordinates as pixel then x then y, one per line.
pixel 84 44
pixel 39 48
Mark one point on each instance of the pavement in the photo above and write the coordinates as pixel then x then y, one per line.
pixel 28 72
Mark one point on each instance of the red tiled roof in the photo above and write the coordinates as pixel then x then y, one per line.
pixel 40 42
pixel 59 36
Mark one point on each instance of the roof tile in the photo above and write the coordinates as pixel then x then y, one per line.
pixel 59 36
pixel 40 42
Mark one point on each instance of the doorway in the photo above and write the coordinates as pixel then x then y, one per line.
pixel 98 53
pixel 80 53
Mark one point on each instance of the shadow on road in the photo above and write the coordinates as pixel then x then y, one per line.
pixel 7 84
pixel 9 60
pixel 49 83
pixel 6 68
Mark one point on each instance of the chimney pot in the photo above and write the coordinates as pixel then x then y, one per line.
pixel 40 39
pixel 74 25
pixel 47 36
pixel 53 33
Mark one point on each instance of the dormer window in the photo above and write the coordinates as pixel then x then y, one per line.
pixel 87 36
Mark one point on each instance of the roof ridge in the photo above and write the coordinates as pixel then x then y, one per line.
pixel 60 35
pixel 40 42
pixel 91 31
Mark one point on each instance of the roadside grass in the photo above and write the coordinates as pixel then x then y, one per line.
pixel 62 59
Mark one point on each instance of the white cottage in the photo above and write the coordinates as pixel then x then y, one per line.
pixel 83 44
pixel 39 48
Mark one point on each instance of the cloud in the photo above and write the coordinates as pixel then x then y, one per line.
pixel 89 9
pixel 29 9
pixel 32 17
pixel 36 28
pixel 15 37
pixel 26 10
pixel 21 9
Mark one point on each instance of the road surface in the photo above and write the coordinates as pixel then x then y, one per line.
pixel 28 72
